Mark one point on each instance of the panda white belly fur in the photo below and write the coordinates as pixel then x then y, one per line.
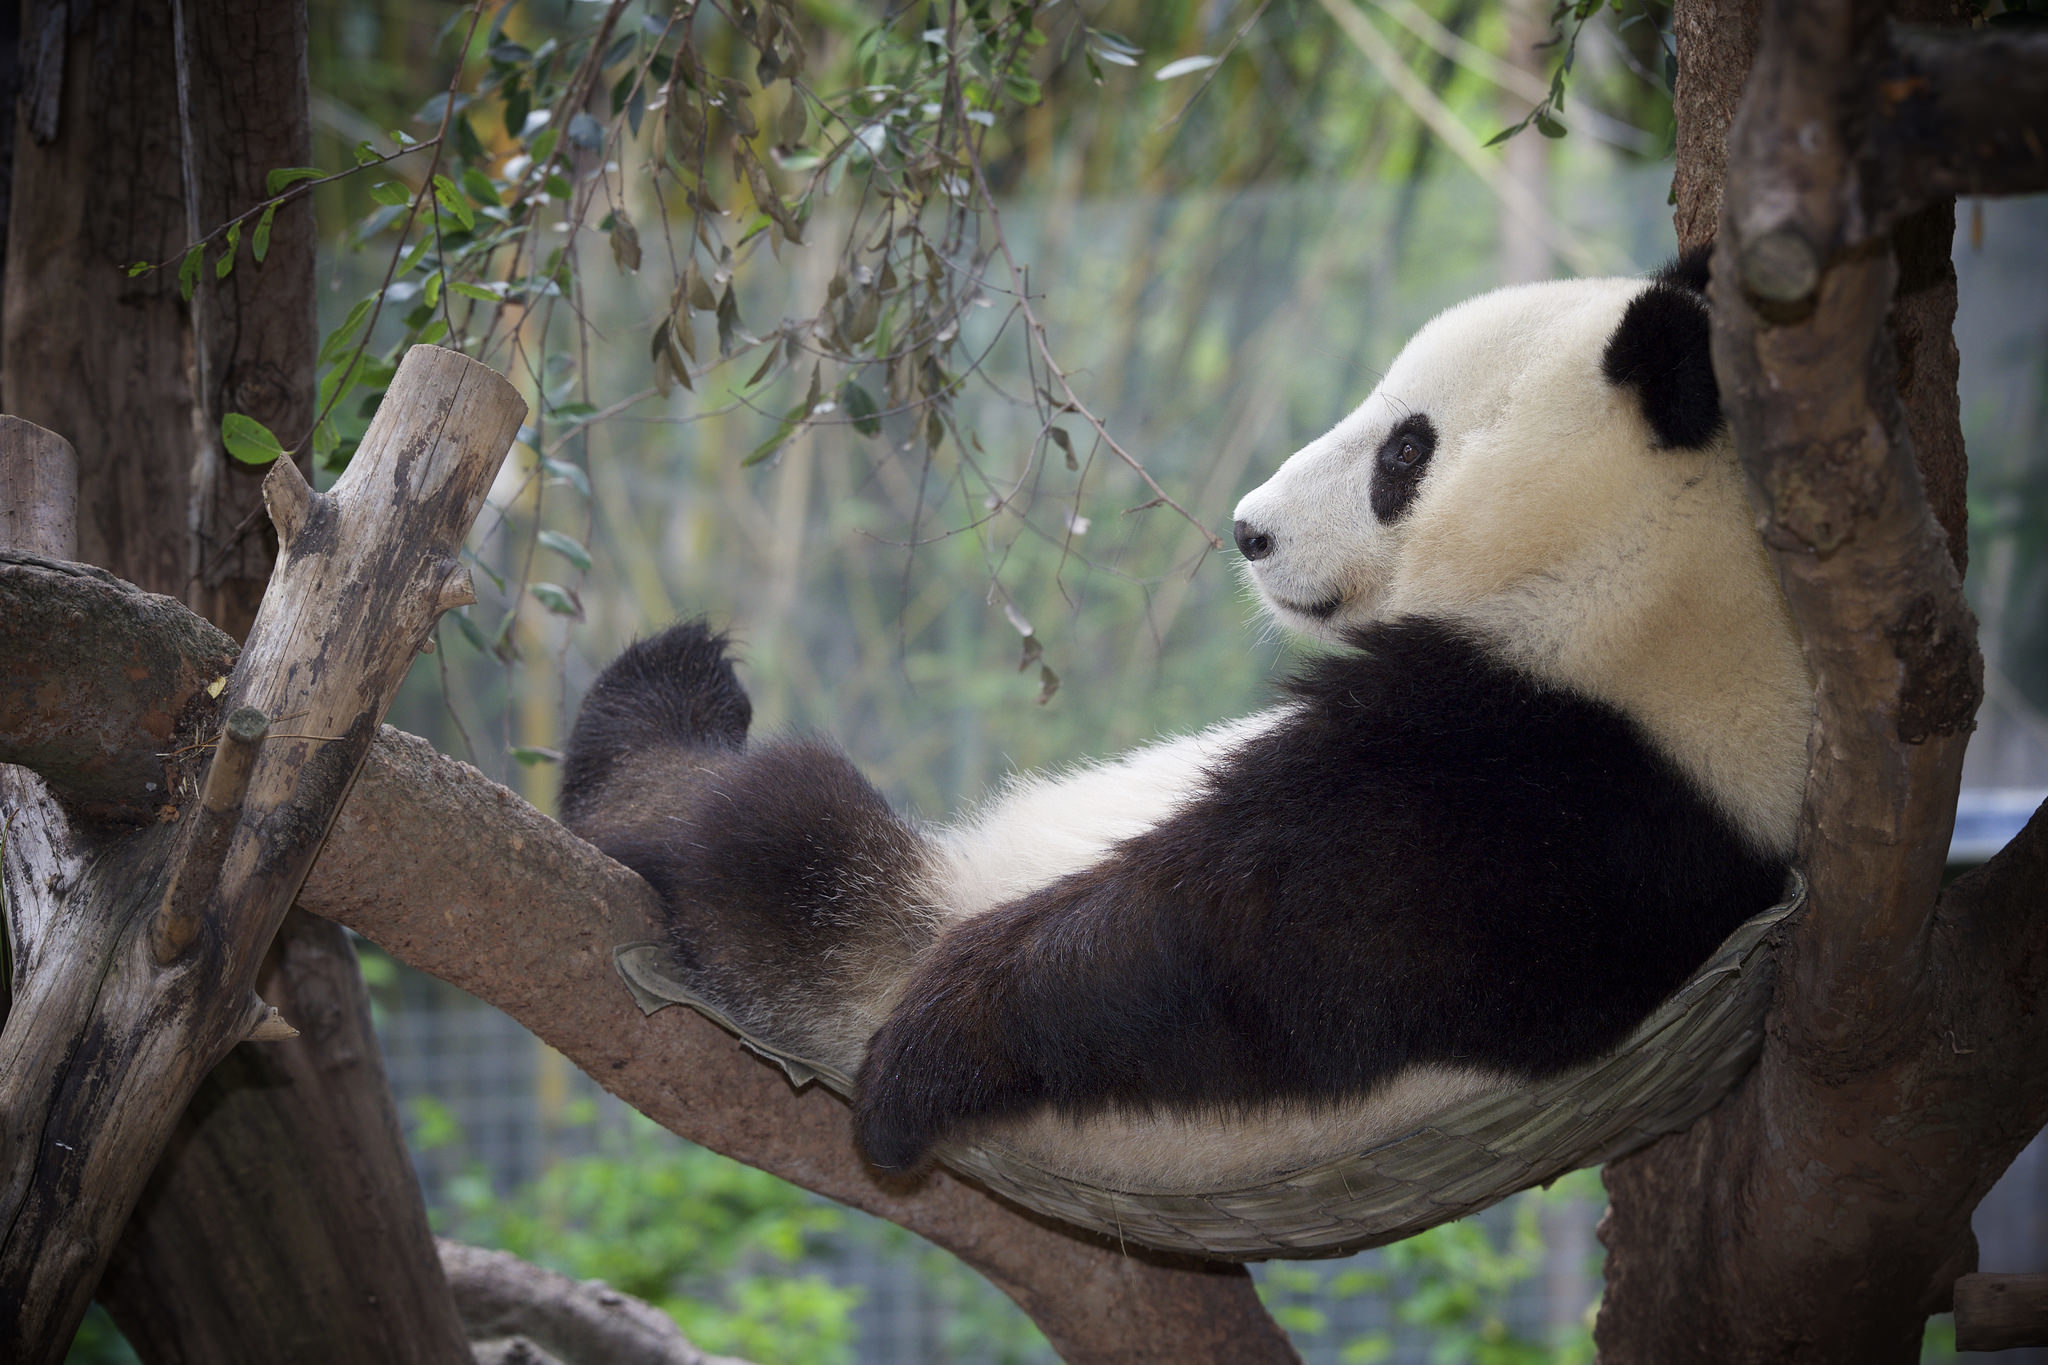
pixel 1556 758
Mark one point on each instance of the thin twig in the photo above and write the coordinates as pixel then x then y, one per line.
pixel 1036 331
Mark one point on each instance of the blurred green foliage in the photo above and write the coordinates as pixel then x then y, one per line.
pixel 718 1246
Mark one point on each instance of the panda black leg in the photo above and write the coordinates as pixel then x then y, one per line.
pixel 794 894
pixel 674 691
pixel 954 1051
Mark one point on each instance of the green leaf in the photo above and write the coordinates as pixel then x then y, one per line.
pixel 430 295
pixel 467 144
pixel 454 202
pixel 188 270
pixel 860 409
pixel 557 599
pixel 138 268
pixel 259 241
pixel 414 256
pixel 566 548
pixel 479 188
pixel 562 471
pixel 1547 125
pixel 248 440
pixel 470 632
pixel 275 182
pixel 392 193
pixel 473 291
pixel 530 755
pixel 226 260
pixel 791 420
pixel 343 337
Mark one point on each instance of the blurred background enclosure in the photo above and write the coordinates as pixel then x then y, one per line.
pixel 844 346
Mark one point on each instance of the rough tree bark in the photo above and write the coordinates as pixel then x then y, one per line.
pixel 139 948
pixel 283 1215
pixel 1823 1211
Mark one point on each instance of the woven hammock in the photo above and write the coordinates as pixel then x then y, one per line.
pixel 1675 1066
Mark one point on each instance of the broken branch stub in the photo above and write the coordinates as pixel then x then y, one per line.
pixel 38 490
pixel 156 983
pixel 367 565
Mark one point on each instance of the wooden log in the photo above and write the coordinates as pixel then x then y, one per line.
pixel 1999 1312
pixel 38 491
pixel 364 572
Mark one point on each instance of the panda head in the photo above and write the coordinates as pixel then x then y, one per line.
pixel 1511 432
pixel 1547 466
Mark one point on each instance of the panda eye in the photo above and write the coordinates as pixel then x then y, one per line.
pixel 1400 468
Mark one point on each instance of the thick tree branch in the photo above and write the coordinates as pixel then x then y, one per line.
pixel 507 904
pixel 1823 1210
pixel 109 1039
pixel 1808 373
pixel 1956 113
pixel 581 1322
pixel 98 682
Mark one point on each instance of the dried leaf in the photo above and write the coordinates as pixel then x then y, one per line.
pixel 1060 439
pixel 625 243
pixel 866 313
pixel 699 292
pixel 1048 683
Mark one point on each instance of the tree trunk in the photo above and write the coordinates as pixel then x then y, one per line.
pixel 284 1221
pixel 1822 1211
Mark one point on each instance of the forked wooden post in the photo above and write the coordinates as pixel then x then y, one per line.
pixel 170 923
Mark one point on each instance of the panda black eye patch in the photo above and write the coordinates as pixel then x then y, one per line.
pixel 1397 470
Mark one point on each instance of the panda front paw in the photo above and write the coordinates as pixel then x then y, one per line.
pixel 892 1134
pixel 929 1076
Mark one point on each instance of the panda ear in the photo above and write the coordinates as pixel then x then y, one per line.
pixel 1662 351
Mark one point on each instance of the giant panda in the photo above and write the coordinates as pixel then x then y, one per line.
pixel 1553 755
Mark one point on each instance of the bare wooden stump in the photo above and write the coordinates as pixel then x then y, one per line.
pixel 162 934
pixel 38 491
pixel 1999 1312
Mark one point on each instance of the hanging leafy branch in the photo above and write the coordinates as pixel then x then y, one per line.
pixel 1568 22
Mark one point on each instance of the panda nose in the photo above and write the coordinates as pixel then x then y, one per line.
pixel 1252 544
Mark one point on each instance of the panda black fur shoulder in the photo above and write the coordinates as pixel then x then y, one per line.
pixel 1556 756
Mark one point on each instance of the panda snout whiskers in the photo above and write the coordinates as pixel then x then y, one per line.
pixel 1322 610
